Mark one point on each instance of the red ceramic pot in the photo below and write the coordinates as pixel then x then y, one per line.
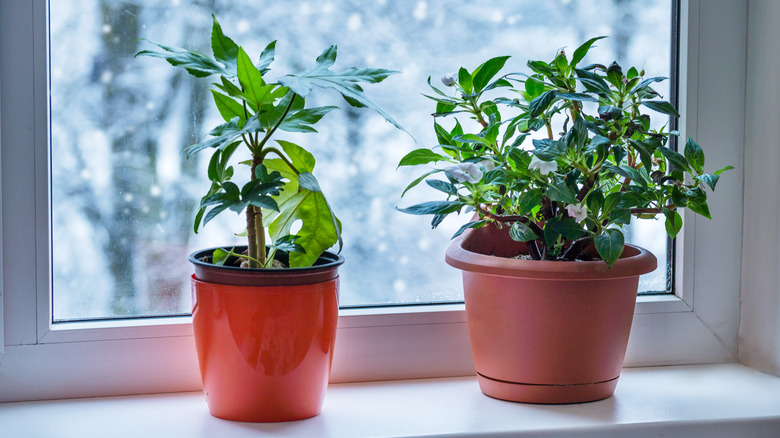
pixel 546 331
pixel 265 343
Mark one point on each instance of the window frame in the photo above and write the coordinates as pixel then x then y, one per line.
pixel 43 360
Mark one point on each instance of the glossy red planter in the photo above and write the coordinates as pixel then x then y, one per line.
pixel 544 331
pixel 265 351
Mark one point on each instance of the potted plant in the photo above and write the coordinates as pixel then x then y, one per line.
pixel 549 284
pixel 265 314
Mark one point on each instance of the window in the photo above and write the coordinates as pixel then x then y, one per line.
pixel 699 324
pixel 123 196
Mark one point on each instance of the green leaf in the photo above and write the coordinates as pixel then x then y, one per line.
pixel 527 201
pixel 610 245
pixel 645 154
pixel 270 112
pixel 593 82
pixel 464 80
pixel 265 202
pixel 560 192
pixel 319 231
pixel 485 72
pixel 700 207
pixel 302 159
pixel 548 150
pixel 536 124
pixel 645 83
pixel 596 141
pixel 224 49
pixel 541 103
pixel 259 191
pixel 221 201
pixel 674 158
pixel 521 232
pixel 345 82
pixel 288 244
pixel 420 156
pixel 673 223
pixel 579 97
pixel 540 67
pixel 228 87
pixel 612 111
pixel 263 176
pixel 568 228
pixel 495 177
pixel 213 169
pixel 443 186
pixel 534 87
pixel 475 224
pixel 628 172
pixel 255 89
pixel 472 138
pixel 219 256
pixel 309 182
pixel 718 172
pixel 611 200
pixel 301 120
pixel 228 108
pixel 418 180
pixel 267 57
pixel 595 200
pixel 198 219
pixel 442 134
pixel 433 207
pixel 620 216
pixel 710 180
pixel 694 155
pixel 582 50
pixel 224 135
pixel 615 75
pixel 196 64
pixel 661 106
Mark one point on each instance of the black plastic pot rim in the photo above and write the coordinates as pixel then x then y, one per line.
pixel 324 269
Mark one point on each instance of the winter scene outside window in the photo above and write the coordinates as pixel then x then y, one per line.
pixel 123 196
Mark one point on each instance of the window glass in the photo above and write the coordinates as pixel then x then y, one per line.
pixel 123 196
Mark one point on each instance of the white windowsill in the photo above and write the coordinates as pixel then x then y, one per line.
pixel 712 401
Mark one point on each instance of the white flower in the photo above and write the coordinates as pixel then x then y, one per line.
pixel 449 79
pixel 542 166
pixel 578 212
pixel 464 172
pixel 488 165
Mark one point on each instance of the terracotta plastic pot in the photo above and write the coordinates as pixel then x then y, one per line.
pixel 544 331
pixel 265 342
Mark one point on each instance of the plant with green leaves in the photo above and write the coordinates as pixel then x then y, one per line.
pixel 280 188
pixel 566 195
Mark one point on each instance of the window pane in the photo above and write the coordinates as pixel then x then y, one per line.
pixel 124 197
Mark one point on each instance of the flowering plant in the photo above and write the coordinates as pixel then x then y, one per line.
pixel 280 188
pixel 566 196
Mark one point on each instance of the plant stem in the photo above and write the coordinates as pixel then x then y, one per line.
pixel 478 112
pixel 260 236
pixel 255 229
pixel 279 153
pixel 576 248
pixel 252 252
pixel 271 131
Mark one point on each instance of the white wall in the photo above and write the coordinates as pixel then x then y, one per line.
pixel 759 335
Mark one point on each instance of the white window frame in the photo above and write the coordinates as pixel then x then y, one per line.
pixel 699 324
